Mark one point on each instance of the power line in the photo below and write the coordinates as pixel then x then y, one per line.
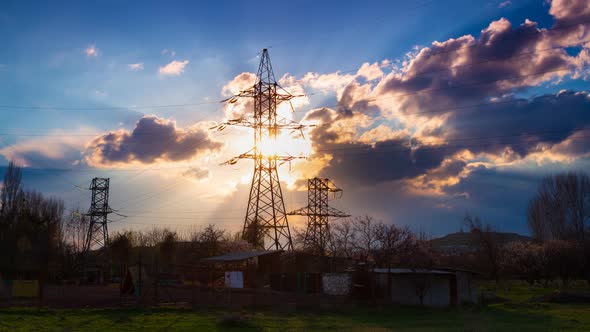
pixel 114 108
pixel 510 38
pixel 467 84
pixel 427 72
pixel 186 218
pixel 166 224
pixel 386 97
pixel 148 195
pixel 320 150
pixel 60 108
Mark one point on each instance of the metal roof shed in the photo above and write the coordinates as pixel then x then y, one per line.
pixel 255 265
pixel 239 256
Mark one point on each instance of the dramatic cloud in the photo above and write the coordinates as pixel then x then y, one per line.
pixel 135 66
pixel 569 12
pixel 91 51
pixel 153 139
pixel 241 106
pixel 451 108
pixel 59 149
pixel 174 68
pixel 502 60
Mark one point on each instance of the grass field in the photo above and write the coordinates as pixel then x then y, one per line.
pixel 518 314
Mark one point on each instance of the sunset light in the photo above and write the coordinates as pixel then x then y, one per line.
pixel 303 165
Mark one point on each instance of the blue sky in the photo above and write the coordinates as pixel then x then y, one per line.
pixel 95 56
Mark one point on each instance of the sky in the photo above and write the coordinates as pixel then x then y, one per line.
pixel 423 111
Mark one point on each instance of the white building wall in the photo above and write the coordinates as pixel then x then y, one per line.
pixel 336 283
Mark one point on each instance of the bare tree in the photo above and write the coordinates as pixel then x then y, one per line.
pixel 422 286
pixel 11 189
pixel 366 241
pixel 488 241
pixel 167 246
pixel 394 245
pixel 211 238
pixel 561 208
pixel 120 246
pixel 298 235
pixel 75 230
pixel 342 238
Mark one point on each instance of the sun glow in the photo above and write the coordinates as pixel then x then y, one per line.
pixel 286 144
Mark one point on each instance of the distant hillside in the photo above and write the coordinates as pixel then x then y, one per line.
pixel 464 242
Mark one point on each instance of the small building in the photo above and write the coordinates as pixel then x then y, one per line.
pixel 255 266
pixel 428 287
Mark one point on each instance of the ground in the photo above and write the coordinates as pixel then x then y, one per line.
pixel 519 313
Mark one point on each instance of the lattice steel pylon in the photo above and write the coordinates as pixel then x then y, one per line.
pixel 318 213
pixel 98 234
pixel 265 225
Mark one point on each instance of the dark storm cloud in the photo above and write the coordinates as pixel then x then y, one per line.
pixel 483 71
pixel 387 161
pixel 521 123
pixel 153 139
pixel 503 59
pixel 521 126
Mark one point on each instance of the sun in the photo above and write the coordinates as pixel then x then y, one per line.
pixel 286 143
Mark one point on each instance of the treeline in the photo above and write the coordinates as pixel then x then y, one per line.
pixel 559 221
pixel 39 239
pixel 170 249
pixel 361 238
pixel 367 239
pixel 31 237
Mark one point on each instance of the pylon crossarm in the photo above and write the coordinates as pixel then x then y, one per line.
pixel 251 123
pixel 245 93
pixel 252 92
pixel 304 211
pixel 250 155
pixel 240 122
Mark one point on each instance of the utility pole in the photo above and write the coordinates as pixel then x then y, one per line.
pixel 318 213
pixel 98 235
pixel 265 225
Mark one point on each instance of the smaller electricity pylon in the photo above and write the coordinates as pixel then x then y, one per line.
pixel 318 213
pixel 98 234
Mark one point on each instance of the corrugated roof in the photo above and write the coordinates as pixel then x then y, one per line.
pixel 411 271
pixel 239 256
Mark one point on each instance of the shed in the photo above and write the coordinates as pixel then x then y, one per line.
pixel 254 265
pixel 429 287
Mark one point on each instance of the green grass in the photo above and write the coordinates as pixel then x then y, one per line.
pixel 518 314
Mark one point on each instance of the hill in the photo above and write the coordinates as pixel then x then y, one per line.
pixel 465 242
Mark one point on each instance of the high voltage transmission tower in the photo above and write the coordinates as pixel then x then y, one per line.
pixel 265 225
pixel 98 235
pixel 318 213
